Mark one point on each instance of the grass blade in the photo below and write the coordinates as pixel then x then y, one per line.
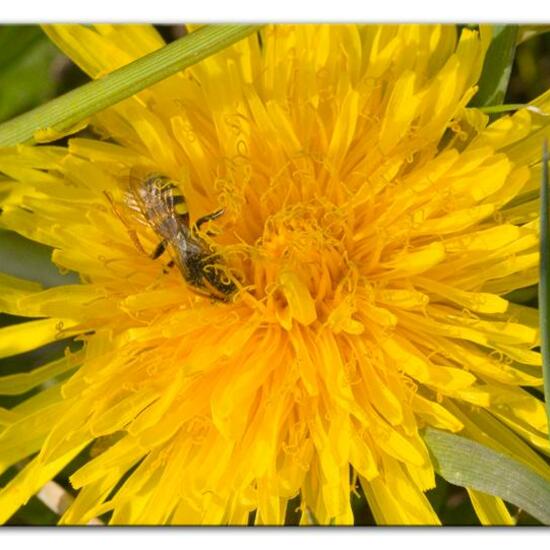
pixel 66 111
pixel 506 108
pixel 469 464
pixel 544 280
pixel 497 66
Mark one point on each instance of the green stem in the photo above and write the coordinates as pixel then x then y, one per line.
pixel 68 110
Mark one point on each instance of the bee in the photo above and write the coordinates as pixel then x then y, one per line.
pixel 163 207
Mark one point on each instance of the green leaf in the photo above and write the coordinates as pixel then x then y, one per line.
pixel 544 280
pixel 497 66
pixel 65 112
pixel 26 57
pixel 469 464
pixel 30 260
pixel 15 40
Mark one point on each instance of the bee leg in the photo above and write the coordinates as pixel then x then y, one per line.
pixel 159 250
pixel 209 217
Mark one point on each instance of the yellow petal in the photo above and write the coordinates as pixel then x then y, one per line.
pixel 300 302
pixel 489 509
pixel 31 335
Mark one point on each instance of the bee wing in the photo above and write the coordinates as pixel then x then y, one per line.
pixel 136 213
pixel 137 196
pixel 136 188
pixel 157 201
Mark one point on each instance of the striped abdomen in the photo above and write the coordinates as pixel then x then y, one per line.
pixel 163 205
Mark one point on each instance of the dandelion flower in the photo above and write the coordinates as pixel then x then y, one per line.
pixel 373 225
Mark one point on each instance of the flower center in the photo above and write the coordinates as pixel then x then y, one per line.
pixel 300 265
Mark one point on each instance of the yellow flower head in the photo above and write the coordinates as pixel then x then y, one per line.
pixel 371 225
